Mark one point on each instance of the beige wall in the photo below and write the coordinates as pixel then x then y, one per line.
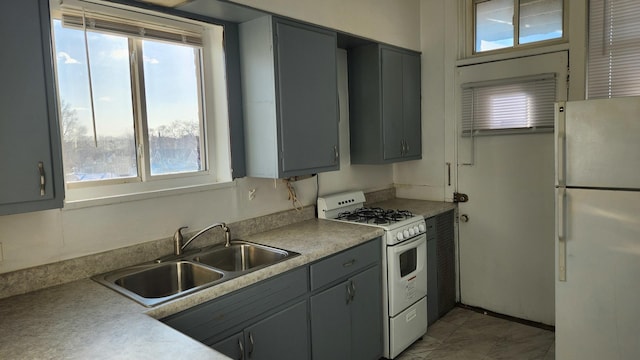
pixel 531 272
pixel 395 22
pixel 48 236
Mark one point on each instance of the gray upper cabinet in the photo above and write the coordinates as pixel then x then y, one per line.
pixel 384 105
pixel 30 156
pixel 290 98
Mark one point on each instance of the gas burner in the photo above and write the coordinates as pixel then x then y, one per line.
pixel 349 216
pixel 379 220
pixel 397 215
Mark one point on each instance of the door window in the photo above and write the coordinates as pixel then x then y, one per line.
pixel 502 24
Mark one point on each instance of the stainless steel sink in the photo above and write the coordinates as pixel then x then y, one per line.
pixel 153 283
pixel 168 279
pixel 242 256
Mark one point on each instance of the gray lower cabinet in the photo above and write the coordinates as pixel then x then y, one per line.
pixel 346 317
pixel 331 309
pixel 30 156
pixel 441 267
pixel 283 335
pixel 267 320
pixel 290 98
pixel 384 104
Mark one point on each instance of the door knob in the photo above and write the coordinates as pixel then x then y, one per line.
pixel 464 218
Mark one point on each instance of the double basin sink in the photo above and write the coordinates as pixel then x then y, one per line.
pixel 157 282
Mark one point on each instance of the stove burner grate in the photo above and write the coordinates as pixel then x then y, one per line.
pixel 376 216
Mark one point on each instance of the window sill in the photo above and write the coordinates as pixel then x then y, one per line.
pixel 511 54
pixel 143 195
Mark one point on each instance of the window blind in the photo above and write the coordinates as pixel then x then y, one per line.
pixel 614 48
pixel 513 105
pixel 114 25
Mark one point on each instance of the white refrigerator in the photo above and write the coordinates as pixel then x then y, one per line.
pixel 598 229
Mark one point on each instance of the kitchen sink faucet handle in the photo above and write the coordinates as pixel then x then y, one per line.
pixel 178 240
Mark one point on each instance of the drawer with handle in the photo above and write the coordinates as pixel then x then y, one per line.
pixel 344 264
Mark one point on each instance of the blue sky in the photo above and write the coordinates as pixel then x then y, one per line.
pixel 171 87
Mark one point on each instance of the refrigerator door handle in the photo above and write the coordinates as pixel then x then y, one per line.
pixel 560 144
pixel 561 228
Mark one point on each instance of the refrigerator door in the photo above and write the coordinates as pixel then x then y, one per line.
pixel 598 306
pixel 601 147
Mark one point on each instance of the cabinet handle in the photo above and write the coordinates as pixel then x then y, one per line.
pixel 251 344
pixel 353 290
pixel 43 180
pixel 336 155
pixel 241 349
pixel 406 147
pixel 349 296
pixel 449 174
pixel 349 263
pixel 401 147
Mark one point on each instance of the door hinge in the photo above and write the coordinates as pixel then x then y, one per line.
pixel 460 197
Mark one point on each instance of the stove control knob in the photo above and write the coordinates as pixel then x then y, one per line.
pixel 416 229
pixel 399 236
pixel 406 234
pixel 412 231
pixel 421 227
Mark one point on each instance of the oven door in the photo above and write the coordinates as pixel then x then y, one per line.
pixel 406 273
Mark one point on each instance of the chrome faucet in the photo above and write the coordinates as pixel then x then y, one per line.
pixel 178 246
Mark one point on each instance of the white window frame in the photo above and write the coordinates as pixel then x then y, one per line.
pixel 469 23
pixel 216 133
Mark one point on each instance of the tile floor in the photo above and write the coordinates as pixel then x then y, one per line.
pixel 467 335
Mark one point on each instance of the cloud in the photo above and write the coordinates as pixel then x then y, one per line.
pixel 67 58
pixel 151 60
pixel 119 54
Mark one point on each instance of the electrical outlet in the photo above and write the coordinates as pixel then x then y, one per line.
pixel 252 194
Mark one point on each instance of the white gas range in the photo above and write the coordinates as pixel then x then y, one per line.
pixel 404 270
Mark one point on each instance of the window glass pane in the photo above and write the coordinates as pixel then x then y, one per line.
pixel 540 20
pixel 494 25
pixel 115 155
pixel 171 77
pixel 510 104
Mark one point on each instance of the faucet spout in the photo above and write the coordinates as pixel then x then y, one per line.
pixel 223 226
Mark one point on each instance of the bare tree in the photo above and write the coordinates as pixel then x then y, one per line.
pixel 71 128
pixel 177 129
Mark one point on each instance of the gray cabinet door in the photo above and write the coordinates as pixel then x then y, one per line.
pixel 233 346
pixel 392 103
pixel 446 262
pixel 331 324
pixel 29 140
pixel 411 97
pixel 384 105
pixel 283 336
pixel 308 102
pixel 432 272
pixel 366 315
